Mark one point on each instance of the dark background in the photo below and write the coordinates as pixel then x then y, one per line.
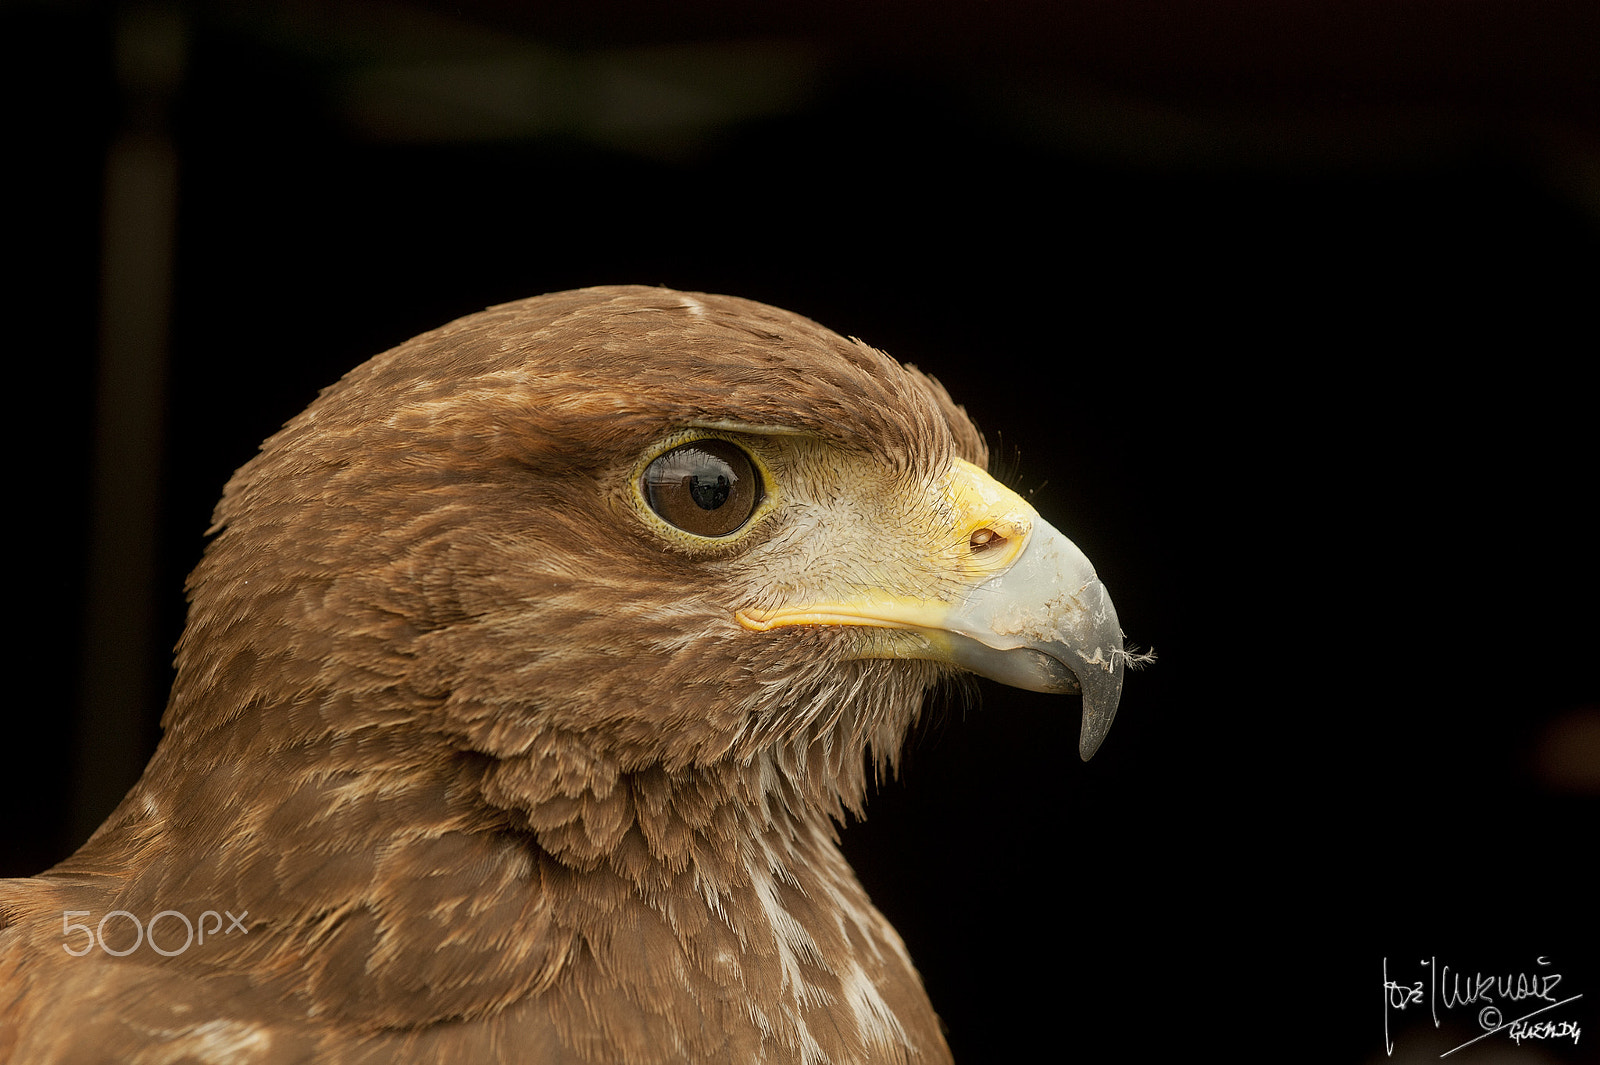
pixel 1284 313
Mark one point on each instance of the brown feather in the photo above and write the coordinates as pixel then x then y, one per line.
pixel 489 767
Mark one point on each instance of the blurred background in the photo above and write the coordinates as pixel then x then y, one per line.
pixel 1285 313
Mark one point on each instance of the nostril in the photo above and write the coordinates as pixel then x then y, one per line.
pixel 984 538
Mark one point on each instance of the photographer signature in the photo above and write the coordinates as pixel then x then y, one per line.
pixel 1531 995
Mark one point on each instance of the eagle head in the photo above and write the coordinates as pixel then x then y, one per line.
pixel 526 674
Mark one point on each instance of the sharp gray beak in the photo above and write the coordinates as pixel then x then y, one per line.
pixel 1018 602
pixel 1046 624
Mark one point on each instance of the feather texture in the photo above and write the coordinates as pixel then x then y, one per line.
pixel 483 766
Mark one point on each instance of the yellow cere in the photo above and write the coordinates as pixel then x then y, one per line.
pixel 984 504
pixel 985 527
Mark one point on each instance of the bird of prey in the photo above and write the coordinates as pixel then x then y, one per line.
pixel 526 676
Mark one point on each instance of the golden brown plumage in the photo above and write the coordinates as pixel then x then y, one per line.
pixel 494 764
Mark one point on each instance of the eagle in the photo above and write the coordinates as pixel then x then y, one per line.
pixel 527 676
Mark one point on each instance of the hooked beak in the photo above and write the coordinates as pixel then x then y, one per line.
pixel 1047 624
pixel 1015 601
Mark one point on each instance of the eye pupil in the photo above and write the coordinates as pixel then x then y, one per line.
pixel 706 487
pixel 708 494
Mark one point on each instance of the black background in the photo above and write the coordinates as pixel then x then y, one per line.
pixel 1284 313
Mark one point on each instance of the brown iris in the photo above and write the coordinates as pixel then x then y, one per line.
pixel 708 487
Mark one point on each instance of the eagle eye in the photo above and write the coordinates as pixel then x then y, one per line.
pixel 707 487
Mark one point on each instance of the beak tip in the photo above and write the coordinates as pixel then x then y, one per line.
pixel 1102 691
pixel 1089 739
